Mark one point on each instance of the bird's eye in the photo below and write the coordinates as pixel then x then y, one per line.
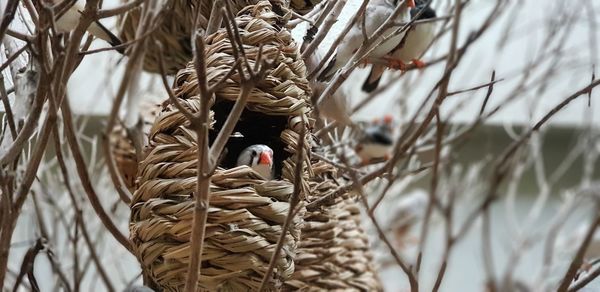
pixel 253 153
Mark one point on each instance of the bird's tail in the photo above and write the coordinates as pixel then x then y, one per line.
pixel 100 31
pixel 329 70
pixel 373 80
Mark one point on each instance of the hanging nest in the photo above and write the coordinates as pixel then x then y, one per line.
pixel 123 143
pixel 175 28
pixel 246 212
pixel 334 254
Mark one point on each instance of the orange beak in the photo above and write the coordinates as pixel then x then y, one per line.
pixel 411 3
pixel 265 158
pixel 388 119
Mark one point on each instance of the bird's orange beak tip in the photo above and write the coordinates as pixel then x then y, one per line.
pixel 265 158
pixel 388 119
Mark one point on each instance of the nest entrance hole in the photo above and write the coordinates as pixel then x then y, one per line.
pixel 256 128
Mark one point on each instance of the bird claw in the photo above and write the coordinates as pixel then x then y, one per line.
pixel 364 63
pixel 395 64
pixel 419 64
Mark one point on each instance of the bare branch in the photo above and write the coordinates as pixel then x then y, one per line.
pixel 578 259
pixel 105 13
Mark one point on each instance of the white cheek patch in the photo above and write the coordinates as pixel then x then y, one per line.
pixel 264 170
pixel 373 151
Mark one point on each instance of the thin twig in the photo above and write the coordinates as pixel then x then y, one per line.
pixel 293 204
pixel 578 259
pixel 413 281
pixel 86 182
pixel 119 10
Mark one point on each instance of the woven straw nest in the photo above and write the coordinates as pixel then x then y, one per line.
pixel 334 254
pixel 123 146
pixel 246 212
pixel 175 28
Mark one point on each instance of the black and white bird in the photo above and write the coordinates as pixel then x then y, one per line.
pixel 376 140
pixel 69 19
pixel 377 12
pixel 412 46
pixel 259 157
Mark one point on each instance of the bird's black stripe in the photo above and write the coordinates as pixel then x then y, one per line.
pixel 381 138
pixel 250 162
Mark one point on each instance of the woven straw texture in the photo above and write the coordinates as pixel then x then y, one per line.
pixel 174 30
pixel 334 254
pixel 123 145
pixel 246 212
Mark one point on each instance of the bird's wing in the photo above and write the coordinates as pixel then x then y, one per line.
pixel 398 49
pixel 98 30
pixel 329 70
pixel 68 21
pixel 375 15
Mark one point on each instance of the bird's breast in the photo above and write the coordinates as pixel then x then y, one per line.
pixel 369 150
pixel 264 170
pixel 417 41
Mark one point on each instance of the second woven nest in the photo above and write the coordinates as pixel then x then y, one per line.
pixel 174 29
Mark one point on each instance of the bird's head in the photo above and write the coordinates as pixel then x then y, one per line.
pixel 427 13
pixel 382 127
pixel 386 121
pixel 259 157
pixel 421 3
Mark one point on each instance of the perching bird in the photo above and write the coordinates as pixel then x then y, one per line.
pixel 376 140
pixel 260 158
pixel 412 46
pixel 68 21
pixel 377 12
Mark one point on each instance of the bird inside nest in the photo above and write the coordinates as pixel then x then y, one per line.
pixel 259 157
pixel 256 141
